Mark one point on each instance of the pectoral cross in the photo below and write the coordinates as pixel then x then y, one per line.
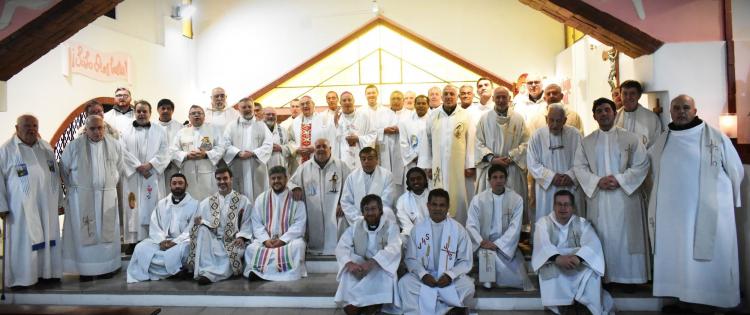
pixel 437 176
pixel 712 146
pixel 383 242
pixel 334 179
pixel 629 150
pixel 87 222
pixel 449 253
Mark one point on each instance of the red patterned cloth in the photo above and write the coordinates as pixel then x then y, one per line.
pixel 306 140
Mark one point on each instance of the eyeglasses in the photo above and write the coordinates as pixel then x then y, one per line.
pixel 533 82
pixel 219 96
pixel 121 95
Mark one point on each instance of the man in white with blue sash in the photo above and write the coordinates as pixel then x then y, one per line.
pixel 146 157
pixel 569 260
pixel 197 150
pixel 221 230
pixel 278 251
pixel 494 225
pixel 91 167
pixel 438 257
pixel 249 145
pixel 162 254
pixel 368 255
pixel 411 207
pixel 697 176
pixel 30 197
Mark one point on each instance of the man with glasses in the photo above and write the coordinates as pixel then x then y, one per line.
pixel 122 114
pixel 527 104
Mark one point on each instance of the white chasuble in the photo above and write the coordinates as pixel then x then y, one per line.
pixel 411 208
pixel 199 173
pixel 411 133
pixel 171 128
pixel 91 230
pixel 560 287
pixel 322 186
pixel 140 194
pixel 169 221
pixel 444 151
pixel 360 184
pixel 497 218
pixel 250 175
pixel 539 120
pixel 221 117
pixel 119 120
pixel 642 122
pixel 213 253
pixel 281 137
pixel 548 155
pixel 618 215
pixel 389 146
pixel 30 194
pixel 437 249
pixel 277 217
pixel 380 285
pixel 356 124
pixel 692 216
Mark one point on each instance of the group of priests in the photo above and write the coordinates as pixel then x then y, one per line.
pixel 233 192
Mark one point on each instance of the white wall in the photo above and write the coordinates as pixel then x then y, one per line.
pixel 244 45
pixel 160 70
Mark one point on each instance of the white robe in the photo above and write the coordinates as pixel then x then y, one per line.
pixel 169 221
pixel 389 146
pixel 320 128
pixel 548 155
pixel 642 122
pixel 171 127
pixel 30 193
pixel 199 173
pixel 221 118
pixel 358 124
pixel 460 293
pixel 503 228
pixel 678 197
pixel 526 108
pixel 618 215
pixel 561 287
pixel 445 151
pixel 411 133
pixel 322 187
pixel 410 210
pixel 98 182
pixel 139 194
pixel 211 258
pixel 287 123
pixel 250 175
pixel 360 184
pixel 277 216
pixel 380 285
pixel 280 137
pixel 475 112
pixel 539 120
pixel 119 120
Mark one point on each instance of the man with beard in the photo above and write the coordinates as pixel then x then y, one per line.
pixel 219 114
pixel 278 251
pixel 163 253
pixel 369 179
pixel 121 115
pixel 527 104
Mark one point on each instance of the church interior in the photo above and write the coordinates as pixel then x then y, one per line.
pixel 58 54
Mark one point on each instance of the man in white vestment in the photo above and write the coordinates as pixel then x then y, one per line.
pixel 353 132
pixel 550 156
pixel 444 151
pixel 636 118
pixel 438 257
pixel 369 179
pixel 249 145
pixel 165 109
pixel 197 150
pixel 163 253
pixel 501 139
pixel 282 149
pixel 278 250
pixel 412 131
pixel 617 98
pixel 494 226
pixel 388 141
pixel 368 257
pixel 528 104
pixel 294 111
pixel 121 115
pixel 411 207
pixel 697 175
pixel 257 110
pixel 93 107
pixel 553 95
pixel 409 97
pixel 30 197
pixel 219 114
pixel 146 157
pixel 485 89
pixel 320 182
pixel 91 167
pixel 610 166
pixel 308 128
pixel 333 110
pixel 435 95
pixel 569 260
pixel 221 230
pixel 475 112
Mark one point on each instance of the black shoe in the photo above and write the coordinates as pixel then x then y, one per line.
pixel 86 278
pixel 108 275
pixel 50 280
pixel 675 309
pixel 203 280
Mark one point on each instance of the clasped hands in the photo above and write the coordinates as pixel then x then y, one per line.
pixel 608 182
pixel 567 261
pixel 562 180
pixel 197 155
pixel 273 243
pixel 245 154
pixel 360 270
pixel 501 160
pixel 443 282
pixel 145 169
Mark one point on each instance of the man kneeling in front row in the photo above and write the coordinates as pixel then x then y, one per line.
pixel 438 256
pixel 368 255
pixel 569 260
pixel 163 253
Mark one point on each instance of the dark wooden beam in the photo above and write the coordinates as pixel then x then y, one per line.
pixel 39 36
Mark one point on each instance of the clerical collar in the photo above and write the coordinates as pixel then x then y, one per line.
pixel 372 227
pixel 136 124
pixel 696 121
pixel 244 120
pixel 321 164
pixel 533 99
pixel 176 199
pixel 500 194
pixel 502 113
pixel 164 123
pixel 369 173
pixel 449 112
pixel 123 111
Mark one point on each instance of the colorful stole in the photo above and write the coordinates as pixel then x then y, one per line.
pixel 230 230
pixel 448 249
pixel 277 222
pixel 305 137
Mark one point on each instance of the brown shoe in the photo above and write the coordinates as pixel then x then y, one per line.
pixel 203 281
pixel 351 310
